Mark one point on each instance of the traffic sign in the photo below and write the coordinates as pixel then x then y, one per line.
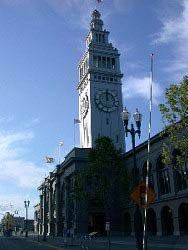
pixel 139 192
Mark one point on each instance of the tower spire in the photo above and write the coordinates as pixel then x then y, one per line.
pixel 96 22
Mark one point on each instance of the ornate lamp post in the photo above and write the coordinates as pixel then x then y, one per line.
pixel 137 215
pixel 26 202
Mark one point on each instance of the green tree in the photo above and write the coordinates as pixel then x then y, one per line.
pixel 105 180
pixel 175 117
pixel 8 220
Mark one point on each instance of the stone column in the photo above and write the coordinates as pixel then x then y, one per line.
pixel 58 207
pixel 176 226
pixel 41 215
pixel 50 205
pixel 159 227
pixel 44 212
pixel 66 203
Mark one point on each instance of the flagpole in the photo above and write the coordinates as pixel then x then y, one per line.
pixel 74 134
pixel 148 158
pixel 59 154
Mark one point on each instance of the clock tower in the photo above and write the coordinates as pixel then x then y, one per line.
pixel 100 88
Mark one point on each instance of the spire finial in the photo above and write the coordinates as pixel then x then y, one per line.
pixel 96 22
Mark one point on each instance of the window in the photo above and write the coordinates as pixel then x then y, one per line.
pixel 99 77
pixel 111 79
pixel 103 38
pixel 163 177
pixel 117 138
pixel 113 63
pixel 104 62
pixel 99 61
pixel 95 63
pixel 108 63
pixel 107 121
pixel 103 78
pixel 99 37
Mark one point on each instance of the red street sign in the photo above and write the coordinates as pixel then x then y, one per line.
pixel 139 192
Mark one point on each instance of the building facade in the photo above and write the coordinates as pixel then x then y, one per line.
pixel 168 214
pixel 100 106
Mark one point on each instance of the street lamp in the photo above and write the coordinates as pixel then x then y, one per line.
pixel 137 215
pixel 26 202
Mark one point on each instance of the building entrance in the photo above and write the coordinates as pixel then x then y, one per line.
pixel 97 223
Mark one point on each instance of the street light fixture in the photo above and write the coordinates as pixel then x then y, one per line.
pixel 26 202
pixel 137 216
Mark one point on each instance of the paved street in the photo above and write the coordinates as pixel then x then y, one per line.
pixel 17 243
pixel 20 243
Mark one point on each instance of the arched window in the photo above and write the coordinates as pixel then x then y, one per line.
pixel 163 177
pixel 181 172
pixel 144 173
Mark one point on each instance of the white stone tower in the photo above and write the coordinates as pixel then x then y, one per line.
pixel 100 88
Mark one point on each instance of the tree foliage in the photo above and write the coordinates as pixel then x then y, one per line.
pixel 8 220
pixel 175 117
pixel 105 178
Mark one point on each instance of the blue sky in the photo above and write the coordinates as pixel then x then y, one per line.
pixel 41 43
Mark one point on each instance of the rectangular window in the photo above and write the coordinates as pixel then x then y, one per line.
pixel 95 63
pixel 113 63
pixel 107 121
pixel 108 63
pixel 117 139
pixel 99 38
pixel 103 39
pixel 99 61
pixel 104 62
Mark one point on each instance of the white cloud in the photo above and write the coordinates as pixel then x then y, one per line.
pixel 12 203
pixel 14 167
pixel 174 31
pixel 140 87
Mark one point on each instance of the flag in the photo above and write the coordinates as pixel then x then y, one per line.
pixel 77 121
pixel 61 144
pixel 99 1
pixel 49 159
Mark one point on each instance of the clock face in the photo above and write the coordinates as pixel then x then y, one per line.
pixel 106 100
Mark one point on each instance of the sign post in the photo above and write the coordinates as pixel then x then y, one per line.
pixel 107 228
